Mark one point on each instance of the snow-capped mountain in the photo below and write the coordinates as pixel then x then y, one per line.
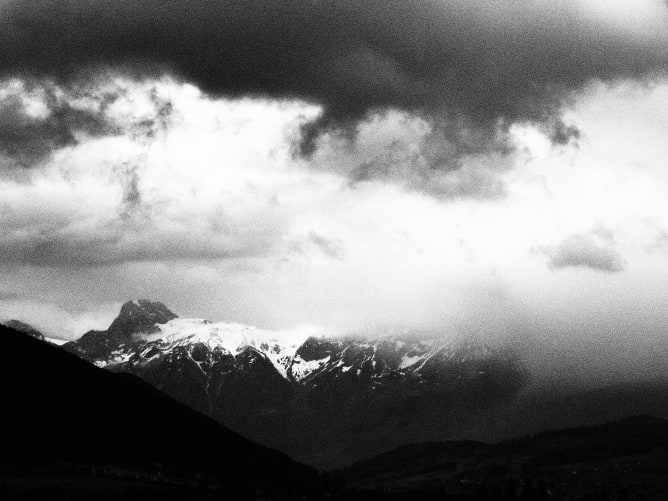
pixel 278 347
pixel 135 317
pixel 307 394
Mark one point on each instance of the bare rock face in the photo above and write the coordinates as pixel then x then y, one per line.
pixel 139 316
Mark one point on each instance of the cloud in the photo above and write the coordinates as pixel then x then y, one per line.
pixel 332 248
pixel 410 151
pixel 589 250
pixel 138 196
pixel 54 321
pixel 101 239
pixel 660 241
pixel 482 65
pixel 221 200
pixel 38 117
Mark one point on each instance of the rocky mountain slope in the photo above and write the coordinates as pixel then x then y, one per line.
pixel 322 400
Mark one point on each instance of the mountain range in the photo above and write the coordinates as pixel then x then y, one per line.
pixel 323 400
pixel 75 431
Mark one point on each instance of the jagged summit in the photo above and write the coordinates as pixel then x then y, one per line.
pixel 17 325
pixel 140 316
pixel 135 317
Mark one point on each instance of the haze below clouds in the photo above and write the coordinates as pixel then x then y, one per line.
pixel 495 170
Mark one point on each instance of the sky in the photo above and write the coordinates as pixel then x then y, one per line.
pixel 468 168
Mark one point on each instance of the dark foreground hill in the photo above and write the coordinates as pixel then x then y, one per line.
pixel 17 325
pixel 67 425
pixel 621 460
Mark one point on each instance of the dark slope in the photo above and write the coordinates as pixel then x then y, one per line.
pixel 58 409
pixel 548 408
pixel 628 455
pixel 23 327
pixel 415 459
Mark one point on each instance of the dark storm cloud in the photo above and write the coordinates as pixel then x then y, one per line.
pixel 28 137
pixel 590 250
pixel 482 64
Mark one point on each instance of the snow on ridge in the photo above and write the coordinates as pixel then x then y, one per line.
pixel 278 346
pixel 56 341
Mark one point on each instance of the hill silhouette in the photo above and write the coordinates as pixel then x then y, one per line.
pixel 61 414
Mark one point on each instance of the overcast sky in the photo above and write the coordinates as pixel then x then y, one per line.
pixel 465 167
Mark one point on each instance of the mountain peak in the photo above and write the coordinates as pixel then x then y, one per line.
pixel 135 317
pixel 140 315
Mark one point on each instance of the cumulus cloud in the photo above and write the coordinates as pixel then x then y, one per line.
pixel 137 196
pixel 408 150
pixel 594 249
pixel 39 117
pixel 483 65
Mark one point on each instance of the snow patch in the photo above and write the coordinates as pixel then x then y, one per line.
pixel 56 341
pixel 302 368
pixel 407 361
